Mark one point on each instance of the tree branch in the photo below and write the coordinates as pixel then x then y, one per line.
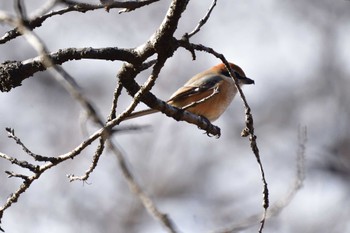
pixel 77 7
pixel 248 130
pixel 202 21
pixel 12 73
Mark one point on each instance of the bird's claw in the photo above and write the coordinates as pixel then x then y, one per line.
pixel 208 123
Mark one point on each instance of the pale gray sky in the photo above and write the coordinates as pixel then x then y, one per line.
pixel 297 52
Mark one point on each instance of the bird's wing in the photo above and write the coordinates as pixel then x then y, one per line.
pixel 196 86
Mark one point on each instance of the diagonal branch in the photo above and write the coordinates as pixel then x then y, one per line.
pixel 147 202
pixel 202 21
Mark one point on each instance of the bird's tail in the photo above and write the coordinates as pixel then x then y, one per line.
pixel 141 113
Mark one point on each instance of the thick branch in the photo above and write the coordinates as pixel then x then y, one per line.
pixel 163 39
pixel 12 73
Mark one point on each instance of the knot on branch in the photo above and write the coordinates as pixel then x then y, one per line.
pixel 10 76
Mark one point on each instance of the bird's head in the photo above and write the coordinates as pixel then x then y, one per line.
pixel 237 71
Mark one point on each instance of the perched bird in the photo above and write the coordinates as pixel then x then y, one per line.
pixel 207 94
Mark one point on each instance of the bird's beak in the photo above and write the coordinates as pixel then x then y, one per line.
pixel 246 80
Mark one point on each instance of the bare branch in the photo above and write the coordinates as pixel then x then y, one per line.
pixel 72 87
pixel 12 73
pixel 12 174
pixel 119 88
pixel 76 7
pixel 11 134
pixel 299 177
pixel 249 129
pixel 20 10
pixel 147 202
pixel 108 4
pixel 23 164
pixel 98 154
pixel 14 196
pixel 39 170
pixel 116 94
pixel 93 165
pixel 186 37
pixel 46 7
pixel 277 207
pixel 202 21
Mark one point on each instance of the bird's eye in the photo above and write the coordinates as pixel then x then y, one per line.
pixel 238 75
pixel 227 74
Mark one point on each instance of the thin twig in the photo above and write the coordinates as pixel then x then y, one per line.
pixel 202 21
pixel 93 165
pixel 14 196
pixel 23 164
pixel 249 129
pixel 11 134
pixel 279 205
pixel 146 201
pixel 299 176
pixel 37 157
pixel 119 88
pixel 46 7
pixel 21 10
pixel 13 174
pixel 73 7
pixel 116 94
pixel 39 170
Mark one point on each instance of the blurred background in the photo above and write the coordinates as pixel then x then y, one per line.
pixel 297 52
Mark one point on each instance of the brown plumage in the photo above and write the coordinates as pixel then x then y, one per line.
pixel 214 84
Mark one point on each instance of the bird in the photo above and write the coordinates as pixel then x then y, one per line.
pixel 207 94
